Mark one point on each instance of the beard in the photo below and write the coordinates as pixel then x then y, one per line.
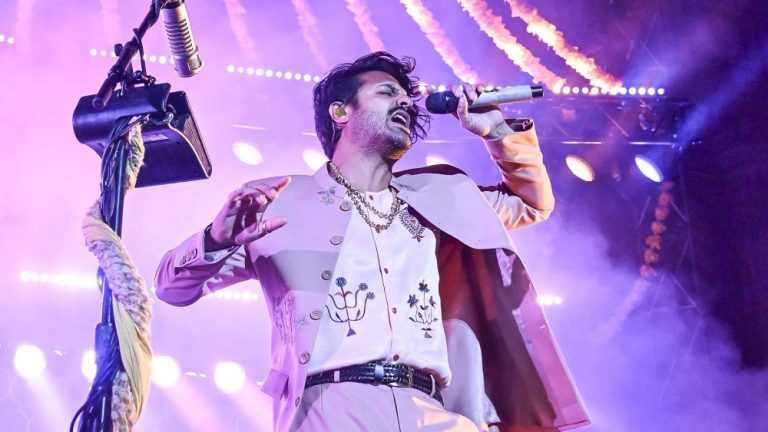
pixel 378 134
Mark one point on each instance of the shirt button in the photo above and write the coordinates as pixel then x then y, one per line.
pixel 316 314
pixel 336 240
pixel 326 275
pixel 345 206
pixel 395 357
pixel 386 270
pixel 394 310
pixel 304 358
pixel 298 400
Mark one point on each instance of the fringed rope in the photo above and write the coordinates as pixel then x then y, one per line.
pixel 132 304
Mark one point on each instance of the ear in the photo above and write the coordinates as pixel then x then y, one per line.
pixel 338 113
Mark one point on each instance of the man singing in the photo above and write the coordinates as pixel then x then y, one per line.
pixel 398 301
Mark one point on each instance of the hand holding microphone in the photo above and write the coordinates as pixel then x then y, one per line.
pixel 477 110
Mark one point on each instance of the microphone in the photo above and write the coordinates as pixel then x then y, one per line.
pixel 447 102
pixel 186 57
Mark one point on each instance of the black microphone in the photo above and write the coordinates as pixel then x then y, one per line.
pixel 447 102
pixel 186 57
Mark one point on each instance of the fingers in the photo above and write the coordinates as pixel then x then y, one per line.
pixel 259 229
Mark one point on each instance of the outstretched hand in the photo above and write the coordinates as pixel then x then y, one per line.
pixel 487 122
pixel 241 220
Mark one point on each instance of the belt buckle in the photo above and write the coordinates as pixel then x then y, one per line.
pixel 410 377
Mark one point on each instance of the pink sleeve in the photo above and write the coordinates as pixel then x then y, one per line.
pixel 186 272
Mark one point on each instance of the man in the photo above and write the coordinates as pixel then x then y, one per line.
pixel 397 300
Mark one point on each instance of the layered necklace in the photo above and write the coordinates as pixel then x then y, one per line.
pixel 358 199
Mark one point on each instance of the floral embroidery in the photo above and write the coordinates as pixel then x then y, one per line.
pixel 403 186
pixel 326 196
pixel 423 313
pixel 413 225
pixel 349 308
pixel 282 314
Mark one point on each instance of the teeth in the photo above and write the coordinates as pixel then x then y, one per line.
pixel 400 118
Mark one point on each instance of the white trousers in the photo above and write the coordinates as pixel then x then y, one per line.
pixel 360 407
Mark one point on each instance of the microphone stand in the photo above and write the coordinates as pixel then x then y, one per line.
pixel 95 413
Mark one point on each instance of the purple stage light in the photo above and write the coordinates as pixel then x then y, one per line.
pixel 165 371
pixel 247 153
pixel 29 361
pixel 229 377
pixel 580 168
pixel 649 168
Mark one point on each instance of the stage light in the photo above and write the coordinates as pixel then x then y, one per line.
pixel 88 365
pixel 604 91
pixel 585 90
pixel 641 91
pixel 288 75
pixel 247 153
pixel 11 40
pixel 2 39
pixel 313 158
pixel 316 78
pixel 29 361
pixel 240 69
pixel 661 91
pixel 307 77
pixel 259 72
pixel 103 53
pixel 249 70
pixel 230 68
pixel 580 168
pixel 162 59
pixel 434 160
pixel 165 371
pixel 566 90
pixel 594 91
pixel 623 91
pixel 153 59
pixel 441 87
pixel 557 90
pixel 92 52
pixel 648 168
pixel 268 73
pixel 651 91
pixel 549 300
pixel 297 76
pixel 632 91
pixel 575 90
pixel 229 377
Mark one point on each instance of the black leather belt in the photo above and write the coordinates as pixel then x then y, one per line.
pixel 390 374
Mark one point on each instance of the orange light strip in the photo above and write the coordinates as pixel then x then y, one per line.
pixel 363 20
pixel 308 24
pixel 520 55
pixel 548 33
pixel 236 13
pixel 434 32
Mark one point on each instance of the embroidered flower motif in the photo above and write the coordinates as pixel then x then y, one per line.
pixel 326 196
pixel 423 313
pixel 412 224
pixel 412 300
pixel 347 308
pixel 403 186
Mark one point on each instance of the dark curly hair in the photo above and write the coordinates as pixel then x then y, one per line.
pixel 342 83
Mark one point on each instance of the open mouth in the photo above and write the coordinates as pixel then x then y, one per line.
pixel 402 118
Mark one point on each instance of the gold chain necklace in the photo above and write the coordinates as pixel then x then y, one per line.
pixel 358 199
